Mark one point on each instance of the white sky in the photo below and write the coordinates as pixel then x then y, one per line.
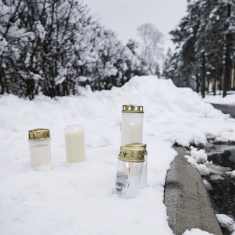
pixel 124 16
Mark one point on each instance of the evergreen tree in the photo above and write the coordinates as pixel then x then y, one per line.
pixel 201 41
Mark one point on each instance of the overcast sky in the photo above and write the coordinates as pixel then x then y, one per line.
pixel 124 16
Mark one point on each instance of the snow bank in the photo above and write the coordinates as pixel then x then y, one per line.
pixel 218 99
pixel 78 199
pixel 196 232
pixel 226 222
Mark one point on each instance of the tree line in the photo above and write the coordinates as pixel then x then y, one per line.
pixel 53 47
pixel 204 57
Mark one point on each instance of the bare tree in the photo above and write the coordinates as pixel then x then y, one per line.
pixel 152 40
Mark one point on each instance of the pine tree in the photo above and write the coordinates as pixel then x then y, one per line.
pixel 201 44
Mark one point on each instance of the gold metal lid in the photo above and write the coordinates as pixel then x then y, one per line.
pixel 133 152
pixel 132 109
pixel 37 134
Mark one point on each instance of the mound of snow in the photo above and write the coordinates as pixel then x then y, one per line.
pixel 226 222
pixel 196 232
pixel 218 99
pixel 78 199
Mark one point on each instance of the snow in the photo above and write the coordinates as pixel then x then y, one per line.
pixel 78 199
pixel 207 185
pixel 198 159
pixel 196 232
pixel 200 156
pixel 233 174
pixel 226 222
pixel 218 99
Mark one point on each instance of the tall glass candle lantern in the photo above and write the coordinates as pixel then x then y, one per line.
pixel 131 172
pixel 40 149
pixel 132 124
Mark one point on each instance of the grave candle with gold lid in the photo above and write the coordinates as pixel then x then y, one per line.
pixel 40 149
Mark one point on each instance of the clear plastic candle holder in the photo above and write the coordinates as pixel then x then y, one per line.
pixel 132 172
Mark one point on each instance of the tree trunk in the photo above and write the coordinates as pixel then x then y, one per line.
pixel 30 86
pixel 203 76
pixel 227 64
pixel 215 83
pixel 197 83
pixel 2 85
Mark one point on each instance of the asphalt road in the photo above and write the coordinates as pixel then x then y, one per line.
pixel 187 201
pixel 227 109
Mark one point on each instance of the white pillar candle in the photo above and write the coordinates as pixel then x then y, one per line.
pixel 75 144
pixel 132 124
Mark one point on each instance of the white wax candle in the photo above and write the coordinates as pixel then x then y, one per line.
pixel 75 144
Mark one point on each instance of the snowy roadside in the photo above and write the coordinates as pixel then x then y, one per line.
pixel 78 199
pixel 218 99
pixel 217 172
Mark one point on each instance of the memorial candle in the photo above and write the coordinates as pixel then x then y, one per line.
pixel 40 150
pixel 75 144
pixel 132 171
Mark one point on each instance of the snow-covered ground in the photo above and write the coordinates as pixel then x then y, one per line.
pixel 218 99
pixel 78 199
pixel 196 232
